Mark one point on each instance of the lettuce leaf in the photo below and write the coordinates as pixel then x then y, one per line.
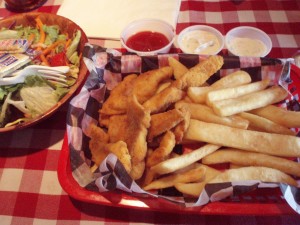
pixel 52 33
pixel 74 44
pixel 38 99
pixel 74 59
pixel 20 105
pixel 8 34
pixel 60 48
pixel 25 32
pixel 35 80
pixel 6 95
pixel 39 96
pixel 5 111
pixel 4 90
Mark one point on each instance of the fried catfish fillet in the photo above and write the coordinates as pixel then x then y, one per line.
pixel 93 131
pixel 146 84
pixel 162 100
pixel 117 128
pixel 143 86
pixel 161 122
pixel 117 100
pixel 182 127
pixel 158 155
pixel 104 120
pixel 178 68
pixel 200 73
pixel 138 122
pixel 100 147
pixel 121 151
pixel 137 170
pixel 163 151
pixel 99 138
pixel 101 150
pixel 98 151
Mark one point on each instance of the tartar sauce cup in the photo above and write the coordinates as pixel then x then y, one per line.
pixel 248 41
pixel 200 39
pixel 148 32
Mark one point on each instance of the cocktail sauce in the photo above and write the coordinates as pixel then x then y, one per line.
pixel 147 41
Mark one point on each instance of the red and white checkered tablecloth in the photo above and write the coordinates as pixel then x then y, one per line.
pixel 29 189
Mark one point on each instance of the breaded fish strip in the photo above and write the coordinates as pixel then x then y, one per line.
pixel 162 100
pixel 117 100
pixel 178 68
pixel 137 170
pixel 93 131
pixel 138 122
pixel 196 76
pixel 100 151
pixel 199 74
pixel 158 155
pixel 97 150
pixel 117 128
pixel 163 151
pixel 162 122
pixel 121 151
pixel 99 138
pixel 182 127
pixel 147 83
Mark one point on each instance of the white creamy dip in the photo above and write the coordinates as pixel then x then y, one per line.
pixel 193 39
pixel 247 47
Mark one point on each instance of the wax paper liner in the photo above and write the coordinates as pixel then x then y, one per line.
pixel 107 67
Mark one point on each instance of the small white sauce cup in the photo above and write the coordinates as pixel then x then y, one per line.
pixel 153 25
pixel 201 28
pixel 251 33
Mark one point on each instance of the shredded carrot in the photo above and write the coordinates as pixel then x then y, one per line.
pixel 52 46
pixel 68 43
pixel 44 60
pixel 67 61
pixel 27 115
pixel 31 37
pixel 41 30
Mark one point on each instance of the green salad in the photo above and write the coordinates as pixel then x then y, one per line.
pixel 48 46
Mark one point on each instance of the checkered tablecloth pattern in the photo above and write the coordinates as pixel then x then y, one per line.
pixel 29 189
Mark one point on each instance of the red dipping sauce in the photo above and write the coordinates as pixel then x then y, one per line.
pixel 147 41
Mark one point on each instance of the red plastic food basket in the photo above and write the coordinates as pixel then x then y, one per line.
pixel 263 201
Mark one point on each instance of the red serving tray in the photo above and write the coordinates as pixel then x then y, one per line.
pixel 264 201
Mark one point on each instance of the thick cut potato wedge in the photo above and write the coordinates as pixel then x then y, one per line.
pixel 272 144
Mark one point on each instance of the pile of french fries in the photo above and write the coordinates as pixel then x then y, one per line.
pixel 234 121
